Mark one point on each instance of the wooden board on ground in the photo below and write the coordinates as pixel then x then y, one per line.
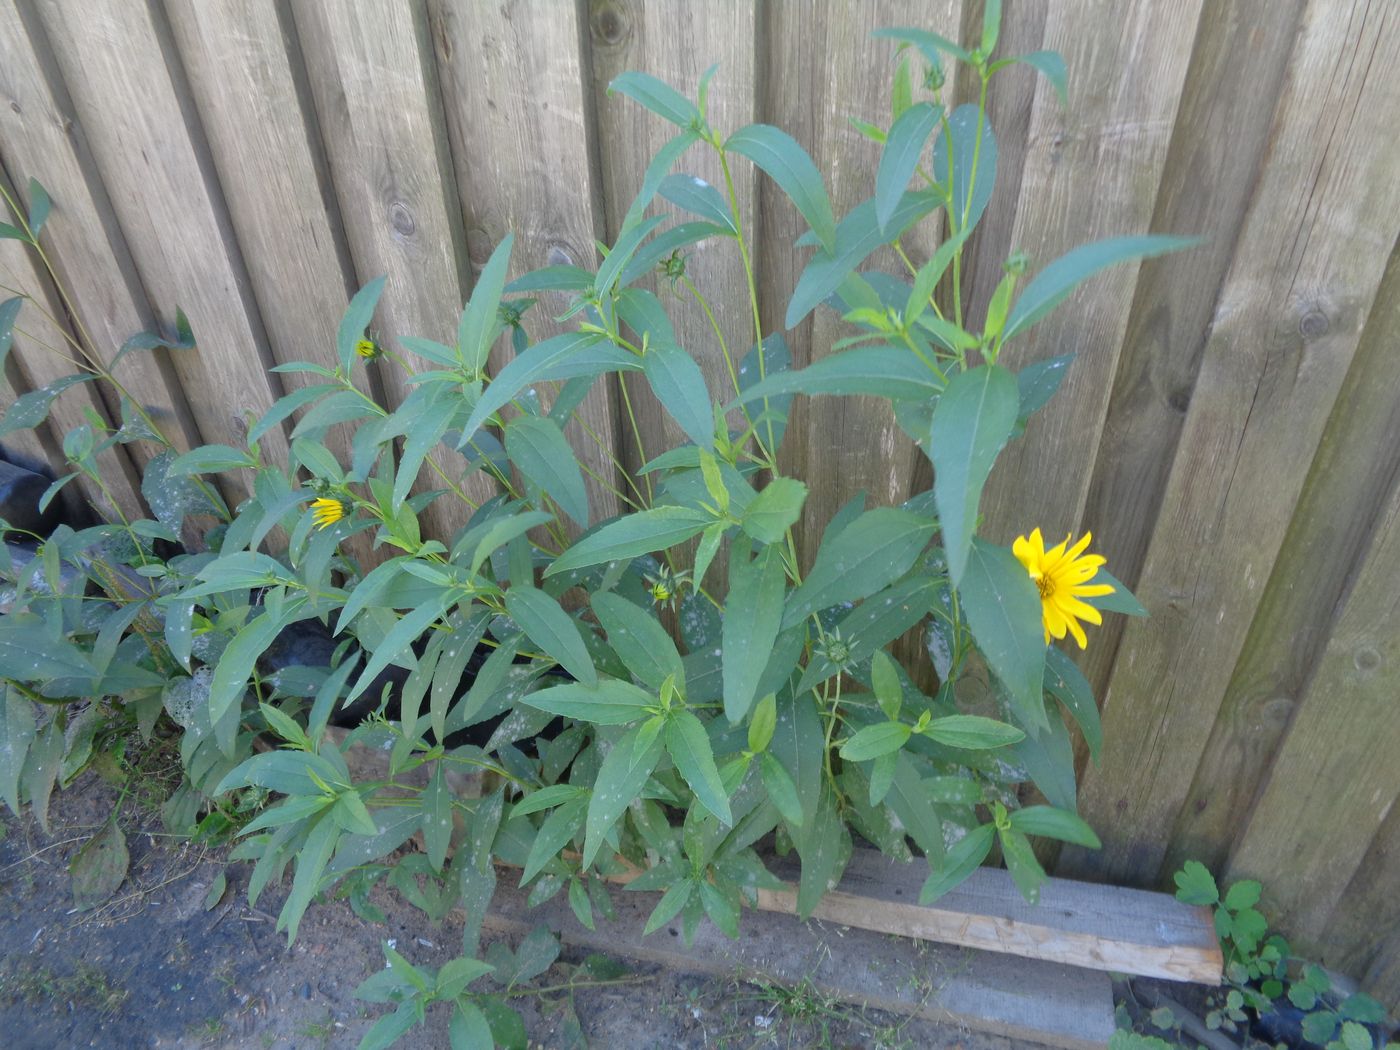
pixel 1021 998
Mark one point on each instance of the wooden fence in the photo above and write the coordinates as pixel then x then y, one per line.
pixel 1230 430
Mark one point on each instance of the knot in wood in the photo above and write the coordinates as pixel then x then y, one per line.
pixel 14 105
pixel 609 24
pixel 401 219
pixel 1366 659
pixel 559 255
pixel 1313 324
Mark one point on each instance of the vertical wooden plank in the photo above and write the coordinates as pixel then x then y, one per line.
pixel 1336 778
pixel 243 68
pixel 1361 936
pixel 127 89
pixel 43 140
pixel 820 68
pixel 677 43
pixel 1282 338
pixel 1218 143
pixel 1091 171
pixel 377 99
pixel 513 77
pixel 1356 467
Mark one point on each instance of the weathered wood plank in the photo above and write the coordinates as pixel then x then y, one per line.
pixel 1352 474
pixel 1361 936
pixel 1336 778
pixel 513 77
pixel 1090 171
pixel 42 140
pixel 1282 338
pixel 677 43
pixel 374 80
pixel 821 68
pixel 128 93
pixel 1236 69
pixel 1026 999
pixel 244 72
pixel 1076 923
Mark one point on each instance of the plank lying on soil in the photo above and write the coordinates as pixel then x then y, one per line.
pixel 1079 923
pixel 1057 1005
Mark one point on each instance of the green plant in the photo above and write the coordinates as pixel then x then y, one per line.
pixel 1260 967
pixel 785 716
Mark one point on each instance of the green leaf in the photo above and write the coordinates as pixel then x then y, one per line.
pixel 1067 684
pixel 884 678
pixel 903 146
pixel 31 409
pixel 610 702
pixel 876 371
pixel 355 320
pixel 538 447
pixel 857 236
pixel 657 96
pixel 1056 824
pixel 972 732
pixel 1356 1037
pixel 699 198
pixel 627 244
pixel 799 746
pixel 1021 863
pixel 752 617
pixel 871 552
pixel 9 310
pixel 1243 894
pixel 469 1029
pixel 1121 600
pixel 963 858
pixel 664 244
pixel 782 792
pixel 639 639
pixel 620 780
pixel 561 357
pixel 824 845
pixel 787 163
pixel 39 206
pixel 1361 1007
pixel 99 868
pixel 631 536
pixel 478 326
pixel 1317 1027
pixel 670 905
pixel 927 42
pixel 953 164
pixel 656 172
pixel 763 723
pixel 1052 285
pixel 1050 64
pixel 399 640
pixel 679 385
pixel 1047 754
pixel 971 423
pixel 1003 610
pixel 991 26
pixel 311 864
pixel 768 358
pixel 13 233
pixel 29 652
pixel 17 733
pixel 552 629
pixel 557 831
pixel 689 746
pixel 553 278
pixel 774 510
pixel 235 666
pixel 1195 884
pixel 874 741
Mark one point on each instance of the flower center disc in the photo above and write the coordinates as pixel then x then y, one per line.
pixel 1045 585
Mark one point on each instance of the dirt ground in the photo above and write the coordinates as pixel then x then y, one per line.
pixel 155 967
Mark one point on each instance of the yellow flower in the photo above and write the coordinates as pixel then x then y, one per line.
pixel 1062 577
pixel 327 511
pixel 368 348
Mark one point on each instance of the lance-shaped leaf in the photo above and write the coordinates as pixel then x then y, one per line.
pixel 619 783
pixel 873 741
pixel 632 536
pixel 679 385
pixel 689 746
pixel 658 96
pixel 1003 609
pixel 698 197
pixel 480 320
pixel 538 447
pixel 355 320
pixel 752 619
pixel 657 171
pixel 561 357
pixel 954 163
pixel 903 145
pixel 972 732
pixel 609 703
pixel 639 639
pixel 787 163
pixel 973 420
pixel 962 859
pixel 870 553
pixel 877 371
pixel 1052 285
pixel 552 629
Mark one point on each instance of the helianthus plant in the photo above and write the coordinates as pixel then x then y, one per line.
pixel 630 706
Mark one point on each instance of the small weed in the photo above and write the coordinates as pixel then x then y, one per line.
pixel 86 987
